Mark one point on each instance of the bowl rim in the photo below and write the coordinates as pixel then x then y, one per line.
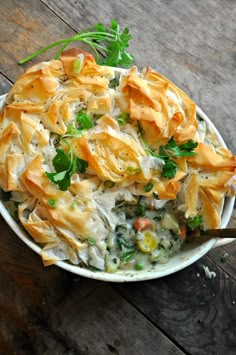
pixel 131 275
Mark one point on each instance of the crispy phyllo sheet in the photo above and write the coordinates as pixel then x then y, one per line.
pixel 104 165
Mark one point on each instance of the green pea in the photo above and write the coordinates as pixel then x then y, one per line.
pixel 139 266
pixel 52 202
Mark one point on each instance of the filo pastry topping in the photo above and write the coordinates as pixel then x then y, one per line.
pixel 122 157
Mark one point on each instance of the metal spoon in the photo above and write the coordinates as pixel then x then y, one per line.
pixel 213 233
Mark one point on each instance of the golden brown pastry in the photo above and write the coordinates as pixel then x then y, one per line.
pixel 67 112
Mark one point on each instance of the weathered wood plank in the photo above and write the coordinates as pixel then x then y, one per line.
pixel 4 85
pixel 24 321
pixel 49 311
pixel 24 268
pixel 25 27
pixel 191 43
pixel 94 322
pixel 43 301
pixel 106 324
pixel 30 294
pixel 225 257
pixel 198 313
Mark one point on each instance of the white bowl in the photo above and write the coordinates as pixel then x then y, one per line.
pixel 190 253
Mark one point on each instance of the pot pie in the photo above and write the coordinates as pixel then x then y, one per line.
pixel 108 169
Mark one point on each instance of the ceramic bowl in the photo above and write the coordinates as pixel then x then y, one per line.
pixel 190 252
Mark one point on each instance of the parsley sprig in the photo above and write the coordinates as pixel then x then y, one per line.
pixel 65 165
pixel 84 120
pixel 78 128
pixel 172 150
pixel 195 222
pixel 169 152
pixel 108 40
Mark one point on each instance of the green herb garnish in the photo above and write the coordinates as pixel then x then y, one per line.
pixel 113 83
pixel 169 152
pixel 109 184
pixel 133 171
pixel 141 210
pixel 169 170
pixel 91 241
pixel 109 40
pixel 148 187
pixel 171 149
pixel 122 243
pixel 73 131
pixel 53 202
pixel 129 255
pixel 65 165
pixel 84 120
pixel 123 118
pixel 74 205
pixel 195 222
pixel 77 66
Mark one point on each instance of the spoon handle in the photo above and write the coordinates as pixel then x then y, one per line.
pixel 217 233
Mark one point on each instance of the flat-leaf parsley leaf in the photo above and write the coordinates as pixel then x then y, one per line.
pixel 65 165
pixel 108 40
pixel 195 222
pixel 169 152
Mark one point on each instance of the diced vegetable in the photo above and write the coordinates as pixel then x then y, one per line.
pixel 112 263
pixel 148 243
pixel 183 232
pixel 169 221
pixel 142 223
pixel 91 241
pixel 159 256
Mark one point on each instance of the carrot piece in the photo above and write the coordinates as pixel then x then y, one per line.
pixel 183 232
pixel 142 223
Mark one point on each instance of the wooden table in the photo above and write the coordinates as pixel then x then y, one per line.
pixel 50 311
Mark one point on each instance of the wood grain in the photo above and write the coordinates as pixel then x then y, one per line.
pixel 72 315
pixel 5 85
pixel 25 27
pixel 191 43
pixel 225 257
pixel 107 324
pixel 50 311
pixel 197 313
pixel 30 294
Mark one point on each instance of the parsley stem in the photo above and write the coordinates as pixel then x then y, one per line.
pixel 42 50
pixel 108 44
pixel 78 37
